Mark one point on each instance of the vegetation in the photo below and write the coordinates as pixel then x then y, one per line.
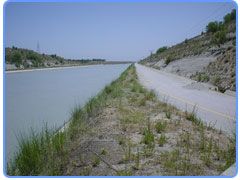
pixel 138 139
pixel 25 59
pixel 161 49
pixel 230 17
pixel 220 28
pixel 215 26
pixel 160 127
pixel 168 60
pixel 216 32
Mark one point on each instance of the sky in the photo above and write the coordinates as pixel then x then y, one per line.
pixel 115 31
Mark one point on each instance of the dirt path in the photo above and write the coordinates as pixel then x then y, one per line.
pixel 214 108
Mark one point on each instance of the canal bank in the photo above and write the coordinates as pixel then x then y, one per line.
pixel 125 130
pixel 36 98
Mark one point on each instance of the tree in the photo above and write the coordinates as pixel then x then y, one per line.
pixel 215 26
pixel 229 17
pixel 162 49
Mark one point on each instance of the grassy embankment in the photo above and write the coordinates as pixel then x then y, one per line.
pixel 125 130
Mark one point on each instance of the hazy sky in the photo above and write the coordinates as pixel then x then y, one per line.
pixel 109 30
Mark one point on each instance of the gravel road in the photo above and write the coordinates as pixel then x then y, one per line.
pixel 216 109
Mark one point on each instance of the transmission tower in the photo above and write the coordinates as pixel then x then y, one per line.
pixel 38 47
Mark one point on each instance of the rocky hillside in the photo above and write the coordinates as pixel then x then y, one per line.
pixel 209 57
pixel 220 73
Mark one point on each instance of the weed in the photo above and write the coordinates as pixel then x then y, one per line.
pixel 137 160
pixel 151 96
pixel 142 102
pixel 216 81
pixel 148 137
pixel 125 172
pixel 162 140
pixel 133 118
pixel 168 113
pixel 205 78
pixel 192 116
pixel 96 161
pixel 148 151
pixel 199 77
pixel 85 171
pixel 160 126
pixel 103 152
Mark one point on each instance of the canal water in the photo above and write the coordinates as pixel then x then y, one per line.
pixel 34 98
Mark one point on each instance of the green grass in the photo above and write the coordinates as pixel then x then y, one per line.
pixel 39 152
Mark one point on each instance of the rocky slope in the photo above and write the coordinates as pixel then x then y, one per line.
pixel 206 58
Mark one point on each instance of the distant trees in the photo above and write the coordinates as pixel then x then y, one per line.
pixel 99 60
pixel 161 49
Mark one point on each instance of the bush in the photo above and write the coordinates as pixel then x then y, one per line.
pixel 162 49
pixel 219 37
pixel 205 78
pixel 215 26
pixel 168 60
pixel 33 56
pixel 17 59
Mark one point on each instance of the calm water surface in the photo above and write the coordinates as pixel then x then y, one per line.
pixel 35 98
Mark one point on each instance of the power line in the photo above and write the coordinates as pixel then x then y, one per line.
pixel 221 15
pixel 204 19
pixel 217 13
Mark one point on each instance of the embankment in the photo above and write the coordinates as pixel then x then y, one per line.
pixel 126 131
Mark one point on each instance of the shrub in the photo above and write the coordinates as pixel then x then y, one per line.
pixel 199 77
pixel 33 56
pixel 17 59
pixel 219 37
pixel 216 81
pixel 205 78
pixel 215 26
pixel 161 49
pixel 168 60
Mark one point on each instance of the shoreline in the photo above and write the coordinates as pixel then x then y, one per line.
pixel 53 68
